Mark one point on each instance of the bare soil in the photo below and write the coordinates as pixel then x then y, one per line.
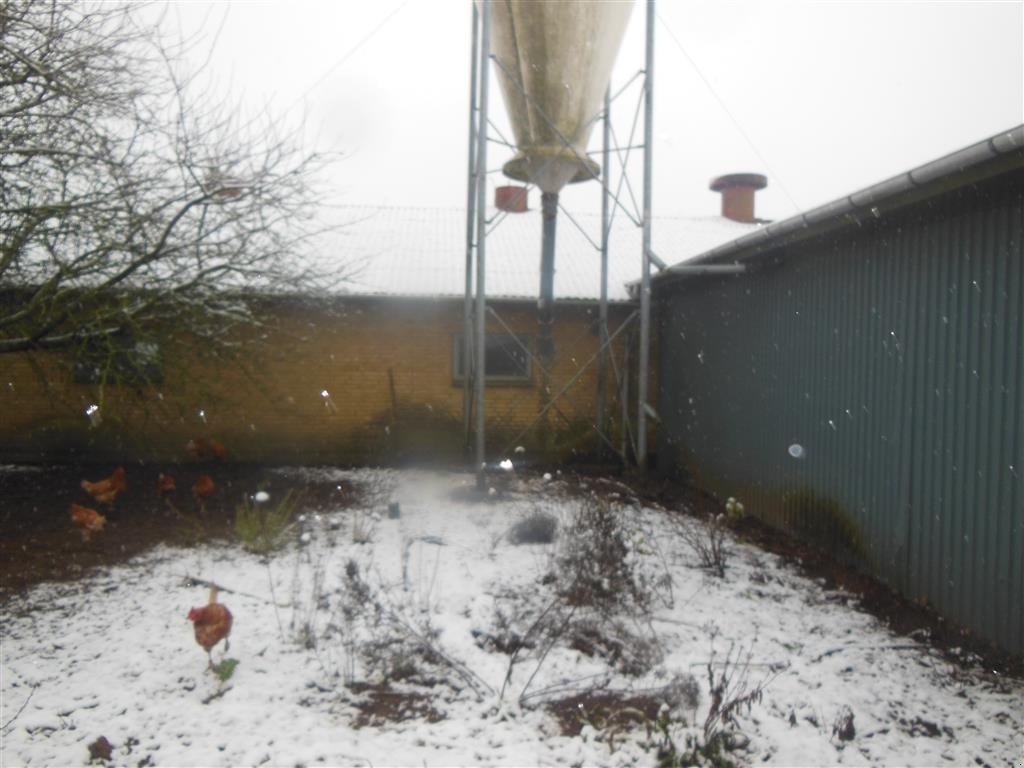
pixel 604 710
pixel 379 704
pixel 38 542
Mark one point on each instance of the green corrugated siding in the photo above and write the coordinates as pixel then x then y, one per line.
pixel 892 353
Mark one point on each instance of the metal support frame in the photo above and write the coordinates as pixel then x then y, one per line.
pixel 475 313
pixel 553 400
pixel 480 372
pixel 602 307
pixel 644 353
pixel 468 369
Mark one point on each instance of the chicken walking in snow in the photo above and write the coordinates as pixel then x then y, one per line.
pixel 212 623
pixel 87 520
pixel 106 490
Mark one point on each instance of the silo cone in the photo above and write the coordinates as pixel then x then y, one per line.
pixel 554 59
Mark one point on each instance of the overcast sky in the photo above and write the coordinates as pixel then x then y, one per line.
pixel 822 97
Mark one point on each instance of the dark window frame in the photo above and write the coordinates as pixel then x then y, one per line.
pixel 508 342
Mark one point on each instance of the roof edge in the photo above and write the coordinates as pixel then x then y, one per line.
pixel 983 159
pixel 341 298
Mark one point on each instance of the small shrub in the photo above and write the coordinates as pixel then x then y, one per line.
pixel 601 581
pixel 362 624
pixel 503 638
pixel 731 692
pixel 622 649
pixel 708 541
pixel 595 565
pixel 261 526
pixel 693 752
pixel 382 642
pixel 363 528
pixel 598 577
pixel 536 528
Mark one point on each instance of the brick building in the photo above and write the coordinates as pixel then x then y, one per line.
pixel 371 371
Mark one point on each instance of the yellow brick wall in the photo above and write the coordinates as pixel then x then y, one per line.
pixel 268 405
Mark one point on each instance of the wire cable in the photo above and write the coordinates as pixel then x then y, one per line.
pixel 725 108
pixel 236 131
pixel 350 52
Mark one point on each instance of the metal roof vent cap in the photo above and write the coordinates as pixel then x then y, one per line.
pixel 738 194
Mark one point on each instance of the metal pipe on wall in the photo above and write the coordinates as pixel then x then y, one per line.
pixel 644 353
pixel 481 241
pixel 467 306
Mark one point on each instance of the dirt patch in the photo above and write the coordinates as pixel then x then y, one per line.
pixel 40 544
pixel 604 710
pixel 379 705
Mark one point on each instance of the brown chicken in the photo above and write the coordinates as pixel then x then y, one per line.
pixel 87 520
pixel 202 448
pixel 165 484
pixel 203 487
pixel 106 490
pixel 212 624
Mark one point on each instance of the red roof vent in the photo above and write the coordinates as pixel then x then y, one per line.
pixel 738 194
pixel 511 198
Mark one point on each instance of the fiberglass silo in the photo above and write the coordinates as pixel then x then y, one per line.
pixel 553 60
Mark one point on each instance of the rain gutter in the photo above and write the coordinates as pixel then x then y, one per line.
pixel 998 154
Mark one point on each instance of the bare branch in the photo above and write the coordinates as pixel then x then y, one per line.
pixel 126 203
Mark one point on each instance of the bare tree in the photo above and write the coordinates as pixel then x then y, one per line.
pixel 131 211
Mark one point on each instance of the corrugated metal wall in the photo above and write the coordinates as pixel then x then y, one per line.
pixel 889 358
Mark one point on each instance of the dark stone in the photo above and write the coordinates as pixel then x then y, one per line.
pixel 101 749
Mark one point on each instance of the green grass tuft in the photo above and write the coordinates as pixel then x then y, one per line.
pixel 261 526
pixel 225 669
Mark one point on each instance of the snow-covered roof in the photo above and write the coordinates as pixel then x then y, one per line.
pixel 421 252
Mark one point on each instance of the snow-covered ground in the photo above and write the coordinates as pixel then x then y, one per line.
pixel 114 655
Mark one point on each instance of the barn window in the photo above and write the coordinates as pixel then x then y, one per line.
pixel 506 359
